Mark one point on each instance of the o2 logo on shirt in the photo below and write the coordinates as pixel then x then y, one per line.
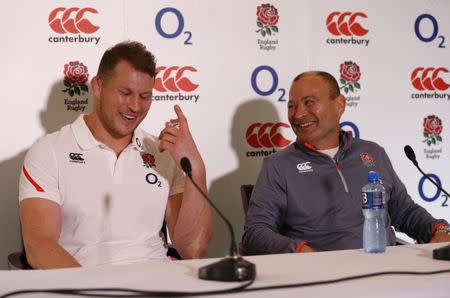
pixel 353 128
pixel 153 179
pixel 436 195
pixel 274 85
pixel 166 14
pixel 424 35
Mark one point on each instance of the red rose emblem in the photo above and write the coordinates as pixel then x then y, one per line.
pixel 366 156
pixel 350 74
pixel 367 159
pixel 148 158
pixel 350 71
pixel 76 72
pixel 267 14
pixel 432 125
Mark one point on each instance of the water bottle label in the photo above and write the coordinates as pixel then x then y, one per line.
pixel 372 200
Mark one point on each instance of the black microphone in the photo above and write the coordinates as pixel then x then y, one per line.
pixel 412 157
pixel 410 154
pixel 233 267
pixel 442 253
pixel 186 166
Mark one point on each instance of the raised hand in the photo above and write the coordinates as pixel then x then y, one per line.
pixel 178 141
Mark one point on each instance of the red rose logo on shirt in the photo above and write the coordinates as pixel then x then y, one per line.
pixel 350 75
pixel 75 78
pixel 267 18
pixel 432 128
pixel 367 159
pixel 148 159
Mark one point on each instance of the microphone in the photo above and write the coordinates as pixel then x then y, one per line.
pixel 186 166
pixel 412 157
pixel 232 267
pixel 410 154
pixel 442 253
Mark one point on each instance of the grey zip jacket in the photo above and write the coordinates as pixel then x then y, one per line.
pixel 304 195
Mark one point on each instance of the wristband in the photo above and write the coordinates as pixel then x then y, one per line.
pixel 440 228
pixel 300 246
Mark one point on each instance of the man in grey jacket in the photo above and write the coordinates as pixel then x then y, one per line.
pixel 307 196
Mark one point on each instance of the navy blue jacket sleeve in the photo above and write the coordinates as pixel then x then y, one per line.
pixel 265 213
pixel 407 216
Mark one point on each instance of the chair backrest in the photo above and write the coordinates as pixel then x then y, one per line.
pixel 171 251
pixel 18 261
pixel 246 193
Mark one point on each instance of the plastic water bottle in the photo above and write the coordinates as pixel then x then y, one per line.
pixel 373 200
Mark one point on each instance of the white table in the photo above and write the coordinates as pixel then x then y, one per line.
pixel 271 270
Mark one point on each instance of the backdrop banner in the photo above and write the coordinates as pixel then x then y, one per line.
pixel 229 65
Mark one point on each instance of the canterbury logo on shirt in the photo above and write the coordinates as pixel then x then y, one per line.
pixel 76 157
pixel 304 167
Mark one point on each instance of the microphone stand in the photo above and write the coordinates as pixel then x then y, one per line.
pixel 442 253
pixel 232 267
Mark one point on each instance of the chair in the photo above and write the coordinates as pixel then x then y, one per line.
pixel 18 261
pixel 171 252
pixel 246 193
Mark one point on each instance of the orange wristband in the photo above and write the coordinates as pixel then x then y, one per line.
pixel 436 227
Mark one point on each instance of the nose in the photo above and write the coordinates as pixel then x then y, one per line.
pixel 299 111
pixel 133 103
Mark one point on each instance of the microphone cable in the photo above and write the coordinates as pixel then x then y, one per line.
pixel 243 288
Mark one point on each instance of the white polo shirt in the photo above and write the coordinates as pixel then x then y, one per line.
pixel 112 207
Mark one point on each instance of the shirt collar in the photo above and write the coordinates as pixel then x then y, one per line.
pixel 138 139
pixel 345 140
pixel 86 139
pixel 83 134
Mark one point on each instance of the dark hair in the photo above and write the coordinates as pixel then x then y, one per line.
pixel 132 52
pixel 331 81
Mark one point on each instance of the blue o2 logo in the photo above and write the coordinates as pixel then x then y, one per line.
pixel 353 128
pixel 168 12
pixel 152 179
pixel 428 36
pixel 437 192
pixel 274 86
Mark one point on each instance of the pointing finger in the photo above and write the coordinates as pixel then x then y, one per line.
pixel 180 116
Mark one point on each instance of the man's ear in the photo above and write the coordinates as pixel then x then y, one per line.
pixel 96 85
pixel 340 103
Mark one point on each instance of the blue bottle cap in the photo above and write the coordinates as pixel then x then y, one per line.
pixel 373 176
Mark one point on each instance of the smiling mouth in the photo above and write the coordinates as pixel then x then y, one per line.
pixel 306 124
pixel 128 117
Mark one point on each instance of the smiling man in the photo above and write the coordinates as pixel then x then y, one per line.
pixel 97 191
pixel 307 196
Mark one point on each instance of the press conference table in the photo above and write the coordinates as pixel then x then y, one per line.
pixel 271 270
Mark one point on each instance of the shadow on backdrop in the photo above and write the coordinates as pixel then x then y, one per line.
pixel 225 191
pixel 52 118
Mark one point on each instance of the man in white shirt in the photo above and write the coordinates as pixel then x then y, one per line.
pixel 97 191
